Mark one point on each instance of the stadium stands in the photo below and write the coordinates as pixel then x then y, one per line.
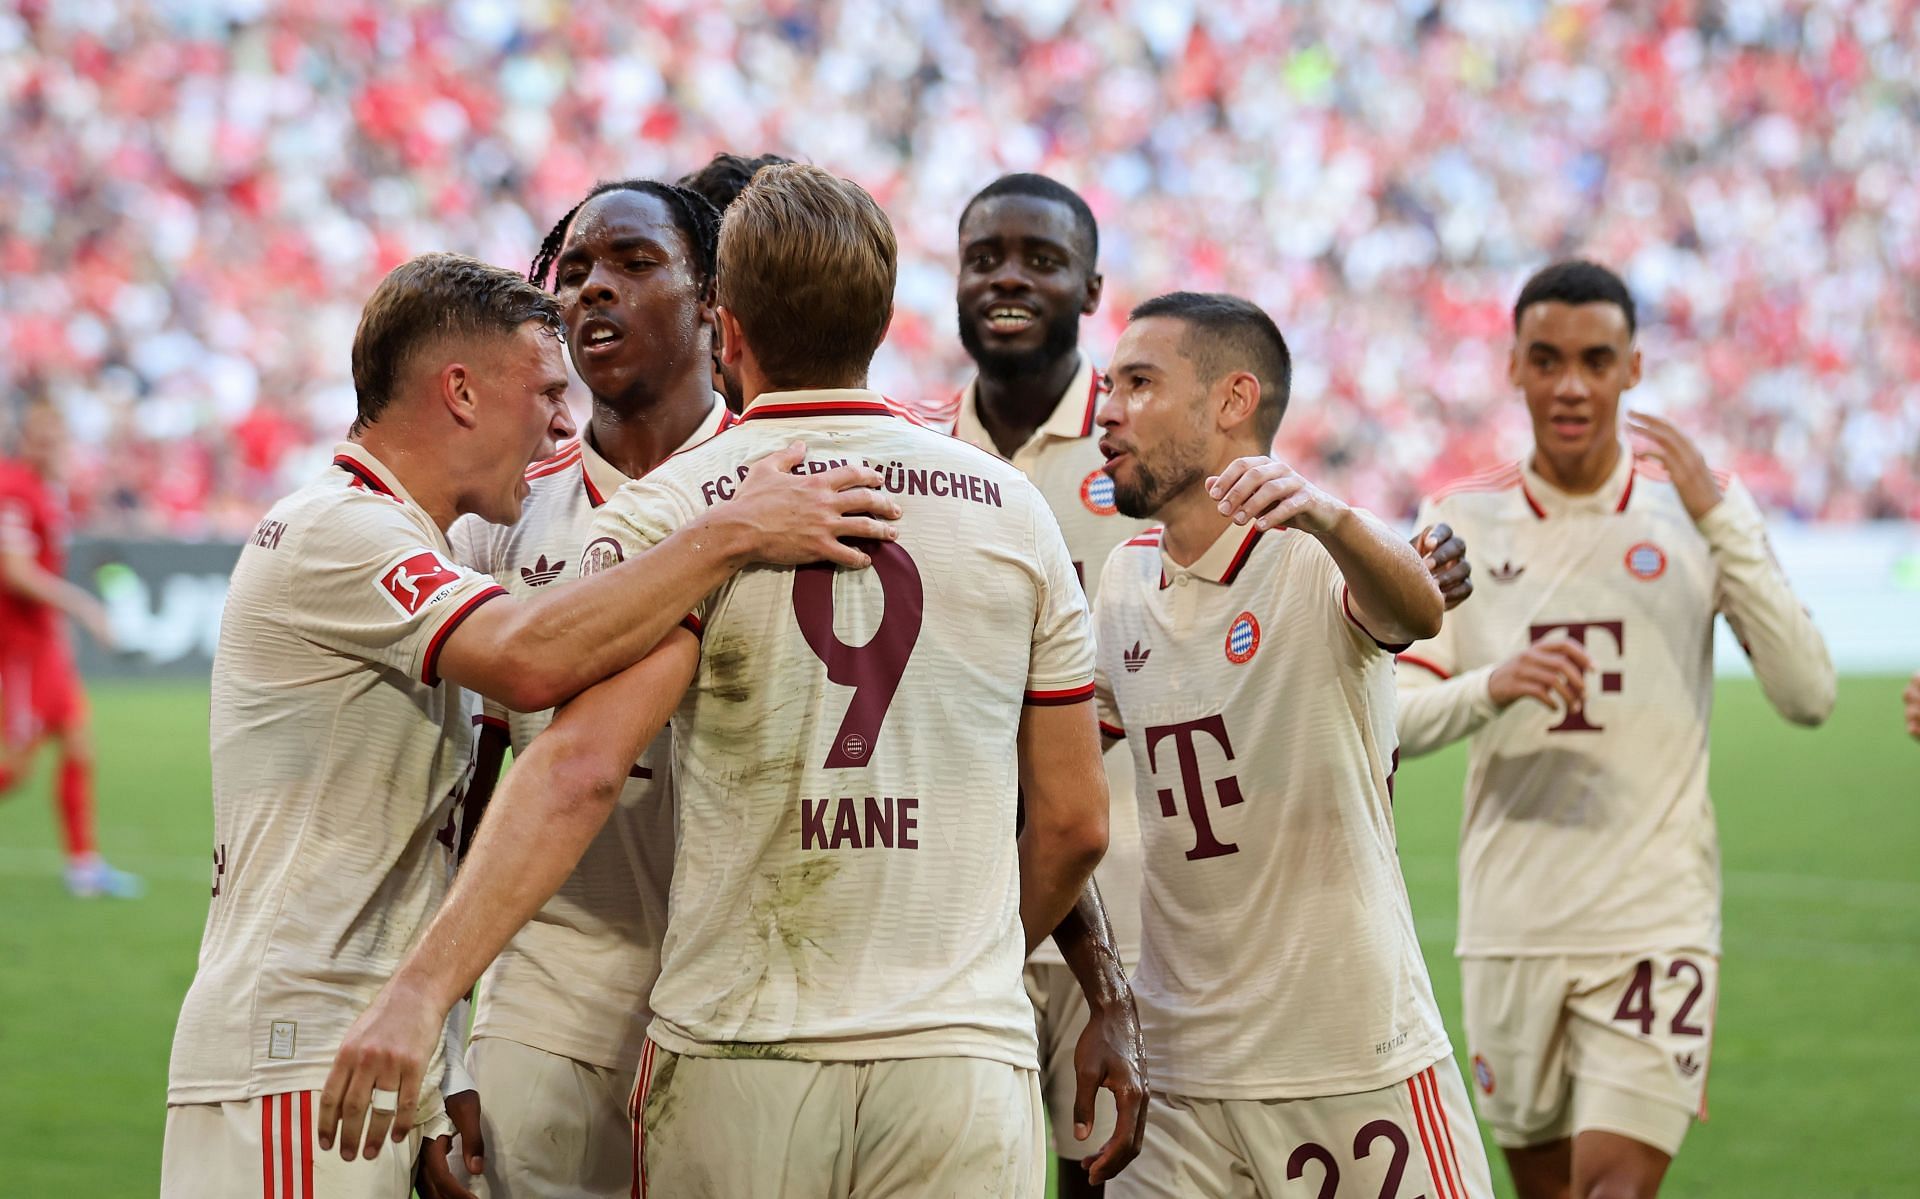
pixel 195 198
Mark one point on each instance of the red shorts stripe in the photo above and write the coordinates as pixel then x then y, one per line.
pixel 306 1144
pixel 1446 1130
pixel 266 1147
pixel 1426 1143
pixel 286 1147
pixel 1436 1119
pixel 639 1122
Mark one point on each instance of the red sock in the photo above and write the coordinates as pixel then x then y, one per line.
pixel 76 804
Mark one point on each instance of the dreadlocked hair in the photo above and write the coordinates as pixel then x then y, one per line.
pixel 696 217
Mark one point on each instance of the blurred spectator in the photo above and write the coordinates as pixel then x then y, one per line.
pixel 195 197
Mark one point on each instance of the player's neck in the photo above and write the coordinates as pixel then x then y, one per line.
pixel 637 434
pixel 1193 523
pixel 1583 475
pixel 1011 407
pixel 427 477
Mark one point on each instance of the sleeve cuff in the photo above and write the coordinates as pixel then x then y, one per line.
pixel 694 625
pixel 1113 730
pixel 430 662
pixel 1046 697
pixel 1346 605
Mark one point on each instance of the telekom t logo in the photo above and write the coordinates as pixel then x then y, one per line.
pixel 1576 630
pixel 1206 845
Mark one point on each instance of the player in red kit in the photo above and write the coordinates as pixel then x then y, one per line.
pixel 40 694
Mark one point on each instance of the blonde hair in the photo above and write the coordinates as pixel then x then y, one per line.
pixel 806 265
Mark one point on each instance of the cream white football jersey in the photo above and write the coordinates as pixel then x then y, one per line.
pixel 575 980
pixel 1064 461
pixel 1592 831
pixel 846 884
pixel 339 758
pixel 1278 958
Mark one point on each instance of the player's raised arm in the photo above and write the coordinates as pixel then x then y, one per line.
pixel 536 654
pixel 1789 656
pixel 1391 592
pixel 547 810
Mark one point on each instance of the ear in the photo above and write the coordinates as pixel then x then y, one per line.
pixel 1236 398
pixel 1633 367
pixel 458 393
pixel 1513 363
pixel 732 343
pixel 1095 283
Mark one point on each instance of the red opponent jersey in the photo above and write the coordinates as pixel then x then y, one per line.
pixel 33 520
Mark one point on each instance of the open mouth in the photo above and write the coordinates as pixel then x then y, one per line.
pixel 1114 455
pixel 1008 319
pixel 597 336
pixel 1570 425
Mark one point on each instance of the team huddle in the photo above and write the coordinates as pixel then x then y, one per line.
pixel 897 790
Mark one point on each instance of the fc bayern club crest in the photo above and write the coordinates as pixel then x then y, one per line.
pixel 1243 638
pixel 1483 1074
pixel 1096 492
pixel 1646 561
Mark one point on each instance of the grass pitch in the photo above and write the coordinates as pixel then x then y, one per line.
pixel 1813 1070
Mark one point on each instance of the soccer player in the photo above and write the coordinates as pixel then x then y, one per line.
pixel 1912 698
pixel 340 742
pixel 1589 866
pixel 561 1016
pixel 1245 656
pixel 41 696
pixel 1029 251
pixel 840 992
pixel 727 175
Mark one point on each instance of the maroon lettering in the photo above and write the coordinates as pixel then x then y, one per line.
pixel 1680 1027
pixel 1309 1152
pixel 1206 845
pixel 1636 1006
pixel 1610 681
pixel 1396 1137
pixel 990 492
pixel 916 482
pixel 267 533
pixel 873 670
pixel 219 867
pixel 813 824
pixel 937 483
pixel 882 822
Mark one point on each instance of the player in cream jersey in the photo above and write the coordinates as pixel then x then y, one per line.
pixel 560 1017
pixel 1291 1028
pixel 1589 863
pixel 840 990
pixel 1028 247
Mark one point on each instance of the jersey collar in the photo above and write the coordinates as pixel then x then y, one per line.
pixel 602 478
pixel 826 401
pixel 368 472
pixel 1546 500
pixel 1071 419
pixel 1222 563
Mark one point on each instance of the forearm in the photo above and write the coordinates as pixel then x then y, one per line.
pixel 1050 884
pixel 1085 940
pixel 1391 592
pixel 1435 715
pixel 24 577
pixel 1789 656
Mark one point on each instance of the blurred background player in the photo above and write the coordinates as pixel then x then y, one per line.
pixel 1245 656
pixel 1912 698
pixel 41 696
pixel 840 994
pixel 1589 861
pixel 340 742
pixel 561 1016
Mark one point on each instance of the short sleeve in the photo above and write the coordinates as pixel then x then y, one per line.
pixel 1060 668
pixel 638 517
pixel 364 583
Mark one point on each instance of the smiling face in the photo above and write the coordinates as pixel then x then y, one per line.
pixel 1160 437
pixel 1572 362
pixel 632 297
pixel 1026 279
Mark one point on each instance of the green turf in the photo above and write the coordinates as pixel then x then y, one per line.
pixel 1812 1077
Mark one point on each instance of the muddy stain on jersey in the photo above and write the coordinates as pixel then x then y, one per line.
pixel 726 659
pixel 790 913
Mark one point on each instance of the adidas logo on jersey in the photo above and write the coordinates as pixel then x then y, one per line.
pixel 1688 1064
pixel 1133 659
pixel 1507 572
pixel 540 574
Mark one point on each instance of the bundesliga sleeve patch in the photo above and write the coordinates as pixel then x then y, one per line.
pixel 419 578
pixel 602 553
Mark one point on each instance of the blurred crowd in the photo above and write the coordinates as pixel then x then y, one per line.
pixel 197 195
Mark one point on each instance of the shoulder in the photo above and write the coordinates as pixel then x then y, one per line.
pixel 567 455
pixel 1480 488
pixel 1133 563
pixel 1653 475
